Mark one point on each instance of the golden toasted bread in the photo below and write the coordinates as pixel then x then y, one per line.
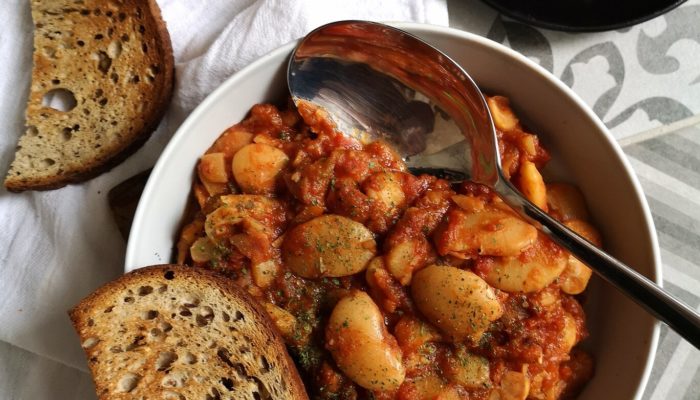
pixel 112 63
pixel 176 332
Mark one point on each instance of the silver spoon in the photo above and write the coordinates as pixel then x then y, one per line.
pixel 380 81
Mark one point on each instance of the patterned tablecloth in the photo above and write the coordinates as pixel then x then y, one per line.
pixel 644 83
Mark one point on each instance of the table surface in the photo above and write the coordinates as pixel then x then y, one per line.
pixel 644 83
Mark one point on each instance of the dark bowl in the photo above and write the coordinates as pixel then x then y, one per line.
pixel 583 15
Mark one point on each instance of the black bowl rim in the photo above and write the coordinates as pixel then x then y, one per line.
pixel 667 5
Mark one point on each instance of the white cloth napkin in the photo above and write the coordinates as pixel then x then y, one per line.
pixel 58 246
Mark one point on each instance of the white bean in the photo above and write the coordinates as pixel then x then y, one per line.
pixel 382 287
pixel 212 168
pixel 361 345
pixel 467 369
pixel 432 387
pixel 470 204
pixel 283 319
pixel 514 386
pixel 528 273
pixel 214 188
pixel 385 188
pixel 457 301
pixel 232 140
pixel 575 277
pixel 237 207
pixel 203 250
pixel 264 273
pixel 328 246
pixel 503 117
pixel 406 257
pixel 566 201
pixel 490 232
pixel 532 184
pixel 569 334
pixel 257 166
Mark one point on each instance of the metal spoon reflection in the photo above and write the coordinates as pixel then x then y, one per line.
pixel 383 82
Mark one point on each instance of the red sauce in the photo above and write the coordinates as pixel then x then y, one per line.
pixel 328 173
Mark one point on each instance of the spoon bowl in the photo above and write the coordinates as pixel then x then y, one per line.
pixel 378 82
pixel 381 83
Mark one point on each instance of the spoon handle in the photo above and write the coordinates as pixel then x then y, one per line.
pixel 678 316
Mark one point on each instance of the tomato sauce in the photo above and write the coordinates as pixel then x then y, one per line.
pixel 529 351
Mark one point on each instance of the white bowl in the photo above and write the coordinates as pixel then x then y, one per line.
pixel 623 338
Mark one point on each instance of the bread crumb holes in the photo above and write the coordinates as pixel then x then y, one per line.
pixel 165 360
pixel 59 99
pixel 227 382
pixel 145 290
pixel 128 382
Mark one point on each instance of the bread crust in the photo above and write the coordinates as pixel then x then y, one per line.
pixel 159 97
pixel 82 316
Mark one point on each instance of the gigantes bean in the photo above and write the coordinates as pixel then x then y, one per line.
pixel 457 301
pixel 328 246
pixel 575 277
pixel 361 345
pixel 489 232
pixel 530 272
pixel 256 167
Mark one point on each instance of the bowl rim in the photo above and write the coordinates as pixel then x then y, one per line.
pixel 416 29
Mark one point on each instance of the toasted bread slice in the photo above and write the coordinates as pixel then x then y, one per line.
pixel 113 63
pixel 176 332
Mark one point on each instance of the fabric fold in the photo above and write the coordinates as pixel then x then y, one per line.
pixel 58 246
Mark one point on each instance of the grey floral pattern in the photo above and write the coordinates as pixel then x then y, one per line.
pixel 524 39
pixel 663 109
pixel 652 51
pixel 616 69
